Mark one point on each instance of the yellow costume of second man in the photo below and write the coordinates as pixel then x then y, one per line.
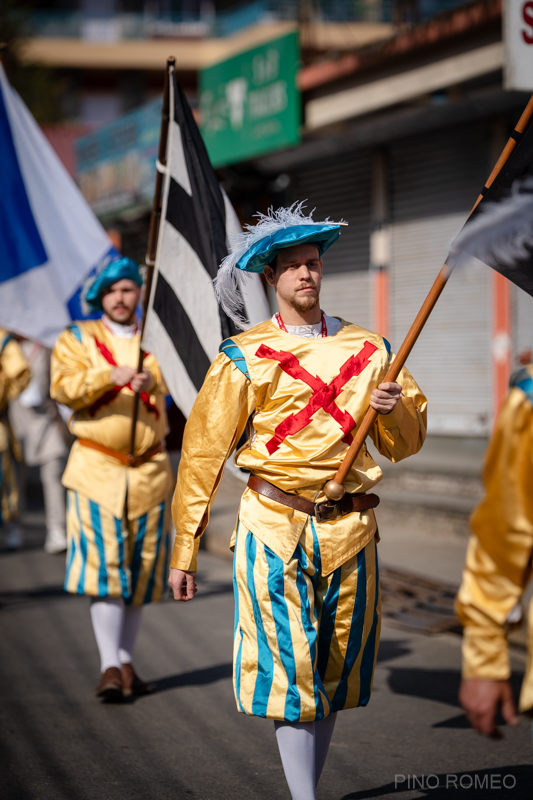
pixel 117 522
pixel 499 559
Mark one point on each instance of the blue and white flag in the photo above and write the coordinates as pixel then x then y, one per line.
pixel 50 240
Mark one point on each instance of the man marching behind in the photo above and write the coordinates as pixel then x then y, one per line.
pixel 117 520
pixel 15 375
pixel 307 607
pixel 498 567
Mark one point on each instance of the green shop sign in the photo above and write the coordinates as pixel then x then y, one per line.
pixel 250 104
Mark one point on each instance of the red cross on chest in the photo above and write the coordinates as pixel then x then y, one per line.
pixel 323 395
pixel 113 393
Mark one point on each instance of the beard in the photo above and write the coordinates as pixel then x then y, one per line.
pixel 305 303
pixel 122 318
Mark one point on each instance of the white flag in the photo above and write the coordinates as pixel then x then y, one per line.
pixel 50 240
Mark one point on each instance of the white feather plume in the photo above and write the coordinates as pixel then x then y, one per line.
pixel 229 277
pixel 502 232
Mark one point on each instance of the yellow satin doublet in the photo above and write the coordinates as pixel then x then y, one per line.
pixel 307 396
pixel 499 557
pixel 80 377
pixel 15 375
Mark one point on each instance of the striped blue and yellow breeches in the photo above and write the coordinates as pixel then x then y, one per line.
pixel 111 557
pixel 305 644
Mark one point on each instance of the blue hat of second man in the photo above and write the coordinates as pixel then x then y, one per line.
pixel 116 270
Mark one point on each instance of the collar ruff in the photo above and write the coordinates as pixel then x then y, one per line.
pixel 118 330
pixel 311 331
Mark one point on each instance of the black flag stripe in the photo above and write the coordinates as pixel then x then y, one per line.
pixel 181 215
pixel 181 331
pixel 516 172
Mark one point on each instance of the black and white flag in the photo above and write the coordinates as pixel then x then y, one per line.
pixel 499 232
pixel 184 324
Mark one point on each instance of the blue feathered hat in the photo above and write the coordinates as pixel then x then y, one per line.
pixel 116 270
pixel 259 245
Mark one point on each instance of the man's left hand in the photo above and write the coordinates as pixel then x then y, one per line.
pixel 141 382
pixel 384 398
pixel 481 697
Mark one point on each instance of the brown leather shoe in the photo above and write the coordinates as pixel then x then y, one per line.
pixel 132 684
pixel 110 687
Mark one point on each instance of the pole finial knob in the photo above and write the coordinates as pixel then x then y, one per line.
pixel 334 491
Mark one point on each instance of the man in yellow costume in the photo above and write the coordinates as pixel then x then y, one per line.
pixel 307 608
pixel 498 566
pixel 117 518
pixel 14 377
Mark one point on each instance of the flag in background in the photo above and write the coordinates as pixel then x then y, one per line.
pixel 184 323
pixel 499 232
pixel 50 240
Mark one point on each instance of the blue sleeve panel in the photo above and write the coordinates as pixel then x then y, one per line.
pixel 234 353
pixel 387 346
pixel 75 331
pixel 523 380
pixel 5 342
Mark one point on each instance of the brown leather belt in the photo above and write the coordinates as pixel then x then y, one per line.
pixel 324 512
pixel 124 458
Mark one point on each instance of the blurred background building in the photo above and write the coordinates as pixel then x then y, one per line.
pixel 400 110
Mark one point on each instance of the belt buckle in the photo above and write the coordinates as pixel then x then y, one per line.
pixel 327 512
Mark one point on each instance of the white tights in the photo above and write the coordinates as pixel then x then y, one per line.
pixel 303 747
pixel 115 629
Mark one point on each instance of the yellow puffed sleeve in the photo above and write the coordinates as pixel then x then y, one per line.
pixel 75 382
pixel 498 562
pixel 402 432
pixel 15 371
pixel 485 600
pixel 215 425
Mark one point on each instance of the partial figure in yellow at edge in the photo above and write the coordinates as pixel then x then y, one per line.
pixel 498 566
pixel 15 375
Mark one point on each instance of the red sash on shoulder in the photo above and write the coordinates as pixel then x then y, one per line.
pixel 110 395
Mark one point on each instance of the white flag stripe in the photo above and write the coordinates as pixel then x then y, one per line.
pixel 254 297
pixel 176 159
pixel 233 226
pixel 157 341
pixel 185 273
pixel 31 307
pixel 255 300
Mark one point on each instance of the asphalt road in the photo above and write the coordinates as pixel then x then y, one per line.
pixel 187 740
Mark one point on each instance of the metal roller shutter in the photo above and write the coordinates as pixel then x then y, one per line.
pixel 348 295
pixel 435 181
pixel 339 187
pixel 522 322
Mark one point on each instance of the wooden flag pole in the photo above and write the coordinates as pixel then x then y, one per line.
pixel 153 235
pixel 334 489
